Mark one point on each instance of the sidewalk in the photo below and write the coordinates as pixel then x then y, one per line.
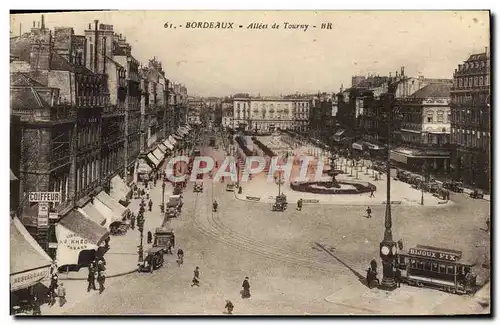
pixel 121 259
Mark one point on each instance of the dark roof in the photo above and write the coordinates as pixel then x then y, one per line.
pixel 372 82
pixel 20 48
pixel 477 56
pixel 22 79
pixel 26 96
pixel 433 90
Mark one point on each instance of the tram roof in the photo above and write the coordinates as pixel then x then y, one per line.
pixel 439 249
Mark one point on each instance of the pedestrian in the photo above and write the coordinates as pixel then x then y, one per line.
pixel 101 278
pixel 61 293
pixel 150 237
pixel 51 295
pixel 373 265
pixel 196 277
pixel 132 221
pixel 369 212
pixel 398 277
pixel 229 307
pixel 245 293
pixel 91 279
pixel 36 305
pixel 101 264
pixel 371 193
pixel 53 281
pixel 150 204
pixel 299 205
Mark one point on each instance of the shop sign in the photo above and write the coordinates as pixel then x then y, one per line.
pixel 26 279
pixel 53 216
pixel 74 242
pixel 43 214
pixel 44 196
pixel 434 254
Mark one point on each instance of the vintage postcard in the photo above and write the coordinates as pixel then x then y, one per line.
pixel 250 163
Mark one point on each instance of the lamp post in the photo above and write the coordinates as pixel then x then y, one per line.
pixel 279 181
pixel 140 225
pixel 163 194
pixel 388 248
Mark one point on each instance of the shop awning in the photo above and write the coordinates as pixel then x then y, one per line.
pixel 76 233
pixel 395 156
pixel 159 155
pixel 119 190
pixel 110 215
pixel 29 264
pixel 153 159
pixel 162 147
pixel 91 212
pixel 176 136
pixel 143 167
pixel 112 204
pixel 168 145
pixel 357 146
pixel 12 176
pixel 172 140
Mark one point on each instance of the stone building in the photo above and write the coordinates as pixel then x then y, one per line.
pixel 471 121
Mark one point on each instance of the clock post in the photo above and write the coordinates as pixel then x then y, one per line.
pixel 388 246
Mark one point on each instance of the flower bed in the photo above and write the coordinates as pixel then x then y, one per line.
pixel 263 147
pixel 330 188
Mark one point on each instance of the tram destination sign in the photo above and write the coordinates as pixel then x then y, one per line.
pixel 44 196
pixel 433 254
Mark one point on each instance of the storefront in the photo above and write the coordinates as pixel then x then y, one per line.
pixel 113 217
pixel 414 159
pixel 168 145
pixel 159 155
pixel 79 240
pixel 153 160
pixel 91 212
pixel 143 170
pixel 29 266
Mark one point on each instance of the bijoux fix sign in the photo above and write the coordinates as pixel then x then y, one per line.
pixel 432 254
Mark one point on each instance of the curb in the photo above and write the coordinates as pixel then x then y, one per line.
pixel 107 276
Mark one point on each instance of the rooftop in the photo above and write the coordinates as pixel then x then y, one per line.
pixel 439 90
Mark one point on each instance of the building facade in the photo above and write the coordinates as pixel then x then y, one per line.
pixel 261 114
pixel 471 121
pixel 424 136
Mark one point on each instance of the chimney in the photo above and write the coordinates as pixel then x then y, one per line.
pixel 90 26
pixel 43 22
pixel 33 24
pixel 96 43
pixel 104 55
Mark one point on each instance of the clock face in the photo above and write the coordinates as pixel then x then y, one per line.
pixel 385 250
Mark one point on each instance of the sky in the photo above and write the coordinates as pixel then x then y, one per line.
pixel 221 62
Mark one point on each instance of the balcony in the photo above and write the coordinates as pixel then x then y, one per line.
pixel 59 159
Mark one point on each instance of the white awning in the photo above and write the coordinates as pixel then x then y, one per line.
pixel 168 145
pixel 162 147
pixel 172 140
pixel 119 189
pixel 158 154
pixel 107 212
pixel 357 146
pixel 153 159
pixel 143 167
pixel 29 263
pixel 76 233
pixel 92 213
pixel 112 203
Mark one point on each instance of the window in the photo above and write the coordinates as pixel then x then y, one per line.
pixel 429 117
pixel 475 81
pixel 238 105
pixel 440 117
pixel 486 80
pixel 480 81
pixel 460 82
pixel 450 270
pixel 470 81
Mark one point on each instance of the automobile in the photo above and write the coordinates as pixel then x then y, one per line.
pixel 152 261
pixel 198 187
pixel 477 194
pixel 281 203
pixel 454 186
pixel 162 236
pixel 432 187
pixel 230 187
pixel 174 202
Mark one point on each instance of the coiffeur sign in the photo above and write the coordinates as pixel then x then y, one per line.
pixel 26 279
pixel 69 246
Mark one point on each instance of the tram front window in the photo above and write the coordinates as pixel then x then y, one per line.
pixel 442 269
pixel 427 266
pixel 451 270
pixel 434 267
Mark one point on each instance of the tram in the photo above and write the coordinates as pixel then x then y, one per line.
pixel 438 268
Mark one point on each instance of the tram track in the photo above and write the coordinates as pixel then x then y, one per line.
pixel 210 227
